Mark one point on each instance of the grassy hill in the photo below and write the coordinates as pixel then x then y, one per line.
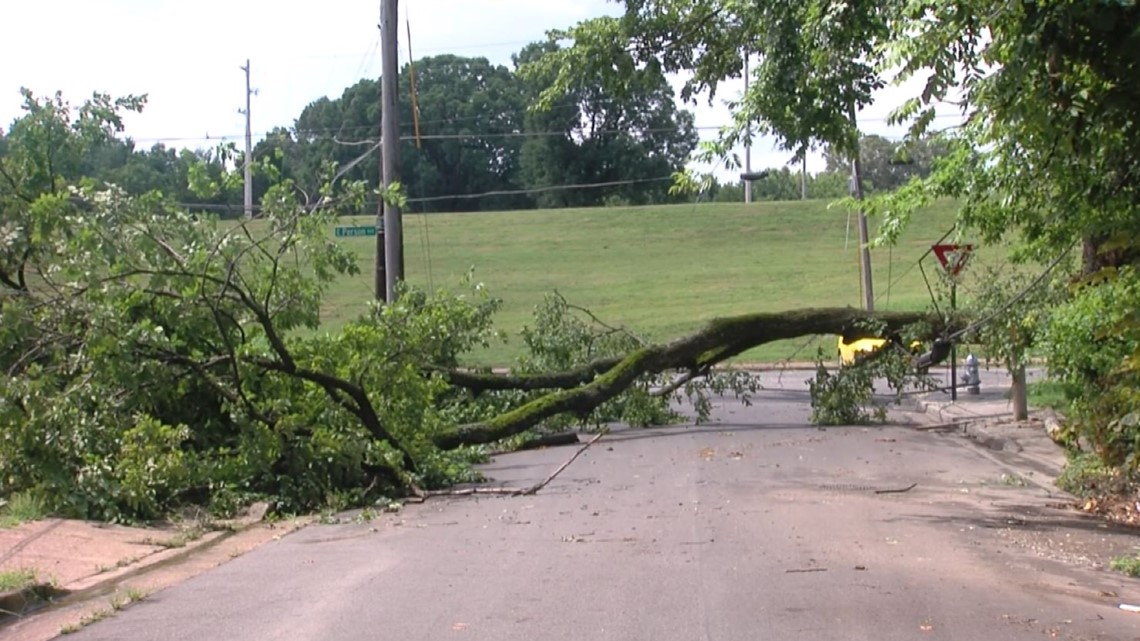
pixel 660 270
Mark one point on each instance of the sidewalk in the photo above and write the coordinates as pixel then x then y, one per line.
pixel 79 571
pixel 987 418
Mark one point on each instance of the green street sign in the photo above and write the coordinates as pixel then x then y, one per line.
pixel 367 230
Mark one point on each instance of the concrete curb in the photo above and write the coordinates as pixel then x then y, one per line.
pixel 990 427
pixel 20 603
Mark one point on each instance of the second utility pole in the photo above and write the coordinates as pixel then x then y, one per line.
pixel 248 146
pixel 864 236
pixel 390 248
pixel 747 142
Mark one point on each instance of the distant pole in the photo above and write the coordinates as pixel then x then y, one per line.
pixel 864 236
pixel 803 177
pixel 747 142
pixel 390 144
pixel 248 146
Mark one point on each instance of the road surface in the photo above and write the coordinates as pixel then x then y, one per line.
pixel 755 527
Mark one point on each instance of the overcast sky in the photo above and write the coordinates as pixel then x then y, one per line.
pixel 186 56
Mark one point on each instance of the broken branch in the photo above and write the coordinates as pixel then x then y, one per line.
pixel 514 491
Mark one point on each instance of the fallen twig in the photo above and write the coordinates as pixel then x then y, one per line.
pixel 538 486
pixel 513 491
pixel 898 490
pixel 796 571
pixel 939 426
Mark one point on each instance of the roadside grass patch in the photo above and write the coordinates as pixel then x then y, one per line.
pixel 1048 393
pixel 1087 477
pixel 21 507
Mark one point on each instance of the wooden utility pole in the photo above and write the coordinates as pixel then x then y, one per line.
pixel 393 240
pixel 864 236
pixel 248 146
pixel 803 177
pixel 380 276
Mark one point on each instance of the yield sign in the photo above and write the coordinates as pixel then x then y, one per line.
pixel 953 257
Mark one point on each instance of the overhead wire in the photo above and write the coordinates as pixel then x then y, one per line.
pixel 325 131
pixel 425 234
pixel 1012 301
pixel 539 190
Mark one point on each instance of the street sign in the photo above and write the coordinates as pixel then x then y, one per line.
pixel 364 230
pixel 953 257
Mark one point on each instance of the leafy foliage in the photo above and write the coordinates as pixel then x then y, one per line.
pixel 477 137
pixel 564 336
pixel 1089 342
pixel 1017 309
pixel 847 395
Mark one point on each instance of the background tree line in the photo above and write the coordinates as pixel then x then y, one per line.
pixel 887 165
pixel 477 135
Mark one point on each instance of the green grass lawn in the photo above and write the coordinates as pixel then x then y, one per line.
pixel 660 270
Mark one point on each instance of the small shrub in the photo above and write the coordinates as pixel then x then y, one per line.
pixel 1087 476
pixel 17 579
pixel 1129 565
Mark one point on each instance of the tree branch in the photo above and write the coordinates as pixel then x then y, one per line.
pixel 681 381
pixel 477 382
pixel 338 389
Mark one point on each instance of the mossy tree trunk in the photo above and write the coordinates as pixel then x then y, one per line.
pixel 584 389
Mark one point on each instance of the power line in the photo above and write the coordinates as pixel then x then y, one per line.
pixel 539 190
pixel 426 199
pixel 1011 302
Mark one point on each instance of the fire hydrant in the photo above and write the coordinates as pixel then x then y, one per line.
pixel 973 376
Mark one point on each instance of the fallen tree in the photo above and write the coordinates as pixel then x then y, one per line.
pixel 584 389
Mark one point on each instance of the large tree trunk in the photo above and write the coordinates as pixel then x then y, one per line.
pixel 584 389
pixel 1098 252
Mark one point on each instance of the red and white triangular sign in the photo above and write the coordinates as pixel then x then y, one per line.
pixel 953 257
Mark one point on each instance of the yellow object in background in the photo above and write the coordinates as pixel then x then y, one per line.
pixel 863 346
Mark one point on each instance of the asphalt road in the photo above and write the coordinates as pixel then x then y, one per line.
pixel 755 527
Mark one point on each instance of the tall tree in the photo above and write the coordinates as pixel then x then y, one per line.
pixel 633 134
pixel 471 117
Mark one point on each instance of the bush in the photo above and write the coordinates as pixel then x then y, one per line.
pixel 1090 343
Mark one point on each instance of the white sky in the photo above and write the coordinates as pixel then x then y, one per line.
pixel 186 55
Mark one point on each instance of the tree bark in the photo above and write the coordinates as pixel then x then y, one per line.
pixel 478 382
pixel 718 341
pixel 1019 394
